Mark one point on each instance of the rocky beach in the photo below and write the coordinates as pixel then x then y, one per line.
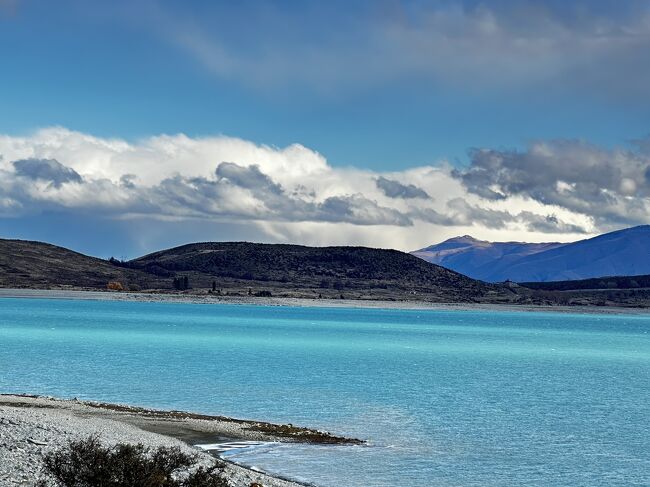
pixel 31 426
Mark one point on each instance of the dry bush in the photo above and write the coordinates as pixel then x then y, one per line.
pixel 115 286
pixel 88 463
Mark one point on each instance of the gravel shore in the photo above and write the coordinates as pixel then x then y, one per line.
pixel 31 426
pixel 202 298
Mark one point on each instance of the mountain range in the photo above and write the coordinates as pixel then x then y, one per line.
pixel 620 253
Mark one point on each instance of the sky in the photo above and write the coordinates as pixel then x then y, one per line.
pixel 128 126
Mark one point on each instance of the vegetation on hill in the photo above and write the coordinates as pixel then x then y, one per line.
pixel 327 269
pixel 611 282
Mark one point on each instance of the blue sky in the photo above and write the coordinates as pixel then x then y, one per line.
pixel 381 87
pixel 114 71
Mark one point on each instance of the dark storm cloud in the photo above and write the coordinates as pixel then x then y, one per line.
pixel 547 223
pixel 46 170
pixel 609 185
pixel 248 177
pixel 395 189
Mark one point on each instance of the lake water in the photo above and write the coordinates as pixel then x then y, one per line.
pixel 445 398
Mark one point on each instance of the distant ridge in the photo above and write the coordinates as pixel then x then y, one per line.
pixel 620 253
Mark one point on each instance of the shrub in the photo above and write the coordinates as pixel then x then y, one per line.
pixel 87 463
pixel 115 286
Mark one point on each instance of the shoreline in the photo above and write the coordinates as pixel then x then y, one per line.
pixel 40 424
pixel 189 298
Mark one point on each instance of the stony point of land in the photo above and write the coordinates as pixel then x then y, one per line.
pixel 31 426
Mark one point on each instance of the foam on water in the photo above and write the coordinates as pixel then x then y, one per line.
pixel 462 398
pixel 232 447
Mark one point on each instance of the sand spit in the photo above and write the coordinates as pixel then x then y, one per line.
pixel 32 425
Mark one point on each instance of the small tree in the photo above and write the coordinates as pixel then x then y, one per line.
pixel 181 283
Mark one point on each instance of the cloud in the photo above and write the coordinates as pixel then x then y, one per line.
pixel 483 45
pixel 360 210
pixel 460 213
pixel 46 170
pixel 472 214
pixel 611 186
pixel 548 223
pixel 559 188
pixel 395 189
pixel 247 192
pixel 248 177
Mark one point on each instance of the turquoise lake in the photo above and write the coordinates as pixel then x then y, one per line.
pixel 445 398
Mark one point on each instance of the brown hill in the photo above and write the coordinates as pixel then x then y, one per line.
pixel 37 265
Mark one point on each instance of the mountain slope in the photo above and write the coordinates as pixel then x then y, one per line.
pixel 40 265
pixel 321 268
pixel 480 259
pixel 621 253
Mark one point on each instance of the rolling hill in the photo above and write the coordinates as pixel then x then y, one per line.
pixel 247 268
pixel 621 253
pixel 244 269
pixel 329 271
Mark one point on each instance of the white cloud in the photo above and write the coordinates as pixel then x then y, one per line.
pixel 285 194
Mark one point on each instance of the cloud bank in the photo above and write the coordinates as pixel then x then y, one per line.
pixel 610 186
pixel 552 190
